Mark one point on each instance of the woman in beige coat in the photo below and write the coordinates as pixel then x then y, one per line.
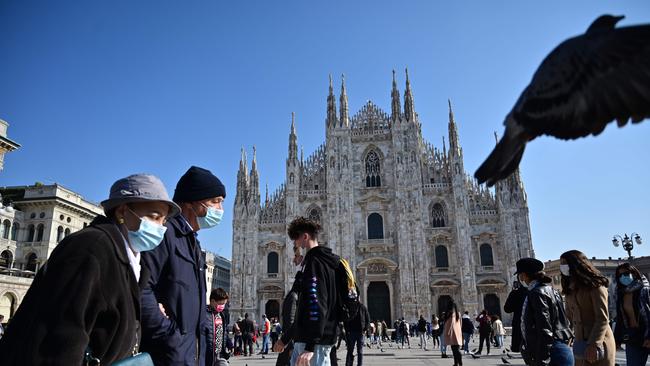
pixel 585 289
pixel 453 333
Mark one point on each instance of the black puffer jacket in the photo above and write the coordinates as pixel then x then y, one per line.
pixel 545 322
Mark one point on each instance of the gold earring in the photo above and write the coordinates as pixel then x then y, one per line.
pixel 120 220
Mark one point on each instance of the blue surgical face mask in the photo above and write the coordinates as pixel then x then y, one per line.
pixel 211 219
pixel 147 237
pixel 626 280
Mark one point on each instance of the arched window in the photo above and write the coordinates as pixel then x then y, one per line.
pixel 39 232
pixel 272 263
pixel 373 170
pixel 314 215
pixel 5 259
pixel 6 228
pixel 67 232
pixel 375 226
pixel 32 232
pixel 486 255
pixel 59 234
pixel 31 262
pixel 438 216
pixel 14 231
pixel 442 259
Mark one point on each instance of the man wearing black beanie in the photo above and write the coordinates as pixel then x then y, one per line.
pixel 173 300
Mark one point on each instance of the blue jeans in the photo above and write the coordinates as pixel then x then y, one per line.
pixel 321 354
pixel 466 338
pixel 499 341
pixel 561 354
pixel 265 343
pixel 636 355
pixel 443 346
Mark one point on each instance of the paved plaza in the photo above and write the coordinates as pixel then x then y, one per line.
pixel 408 357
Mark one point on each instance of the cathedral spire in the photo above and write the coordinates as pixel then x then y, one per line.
pixel 266 201
pixel 454 145
pixel 254 163
pixel 331 107
pixel 293 141
pixel 409 108
pixel 396 107
pixel 344 104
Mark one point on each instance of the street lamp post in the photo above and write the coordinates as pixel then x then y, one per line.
pixel 628 245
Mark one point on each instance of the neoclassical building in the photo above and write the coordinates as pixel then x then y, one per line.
pixel 418 230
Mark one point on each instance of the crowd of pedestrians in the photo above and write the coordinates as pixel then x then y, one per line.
pixel 132 285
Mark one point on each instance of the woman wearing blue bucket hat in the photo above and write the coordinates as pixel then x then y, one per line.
pixel 84 302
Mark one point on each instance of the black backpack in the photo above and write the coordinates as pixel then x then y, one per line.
pixel 347 299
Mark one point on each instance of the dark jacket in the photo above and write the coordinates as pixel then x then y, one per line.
pixel 208 333
pixel 178 282
pixel 641 301
pixel 289 306
pixel 514 304
pixel 360 322
pixel 247 327
pixel 316 313
pixel 545 322
pixel 484 324
pixel 86 294
pixel 467 326
pixel 422 326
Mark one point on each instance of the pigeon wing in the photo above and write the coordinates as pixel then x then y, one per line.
pixel 587 82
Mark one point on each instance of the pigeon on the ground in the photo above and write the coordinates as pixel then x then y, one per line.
pixel 507 349
pixel 474 356
pixel 509 355
pixel 584 84
pixel 474 350
pixel 503 359
pixel 381 349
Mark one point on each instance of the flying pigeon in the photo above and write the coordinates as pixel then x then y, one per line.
pixel 503 359
pixel 581 86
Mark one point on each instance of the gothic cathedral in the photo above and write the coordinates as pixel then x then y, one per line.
pixel 417 229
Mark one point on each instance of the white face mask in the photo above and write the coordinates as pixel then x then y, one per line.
pixel 564 269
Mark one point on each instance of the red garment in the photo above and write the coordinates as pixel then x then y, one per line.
pixel 267 327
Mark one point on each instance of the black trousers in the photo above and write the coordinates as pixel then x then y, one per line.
pixel 352 339
pixel 248 344
pixel 484 337
pixel 458 358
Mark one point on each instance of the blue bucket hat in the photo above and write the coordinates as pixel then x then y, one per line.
pixel 139 188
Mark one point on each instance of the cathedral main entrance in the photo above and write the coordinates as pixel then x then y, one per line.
pixel 272 309
pixel 379 302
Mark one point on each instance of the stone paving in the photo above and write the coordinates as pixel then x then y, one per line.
pixel 407 357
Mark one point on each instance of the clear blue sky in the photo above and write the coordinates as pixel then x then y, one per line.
pixel 95 91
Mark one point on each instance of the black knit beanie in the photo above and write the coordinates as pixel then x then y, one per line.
pixel 198 184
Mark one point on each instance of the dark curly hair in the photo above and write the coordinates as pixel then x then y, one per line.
pixel 583 273
pixel 301 226
pixel 218 294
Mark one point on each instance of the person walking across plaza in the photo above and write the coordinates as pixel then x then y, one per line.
pixel 215 330
pixel 435 331
pixel 498 330
pixel 484 331
pixel 248 333
pixel 86 297
pixel 316 317
pixel 443 345
pixel 467 327
pixel 289 306
pixel 276 330
pixel 173 303
pixel 514 304
pixel 546 331
pixel 354 330
pixel 266 331
pixel 422 332
pixel 585 292
pixel 633 314
pixel 453 332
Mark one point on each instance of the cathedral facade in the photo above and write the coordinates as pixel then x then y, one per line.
pixel 416 228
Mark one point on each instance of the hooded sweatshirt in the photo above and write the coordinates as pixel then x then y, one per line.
pixel 316 315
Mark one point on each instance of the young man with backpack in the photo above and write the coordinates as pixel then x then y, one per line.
pixel 484 331
pixel 317 313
